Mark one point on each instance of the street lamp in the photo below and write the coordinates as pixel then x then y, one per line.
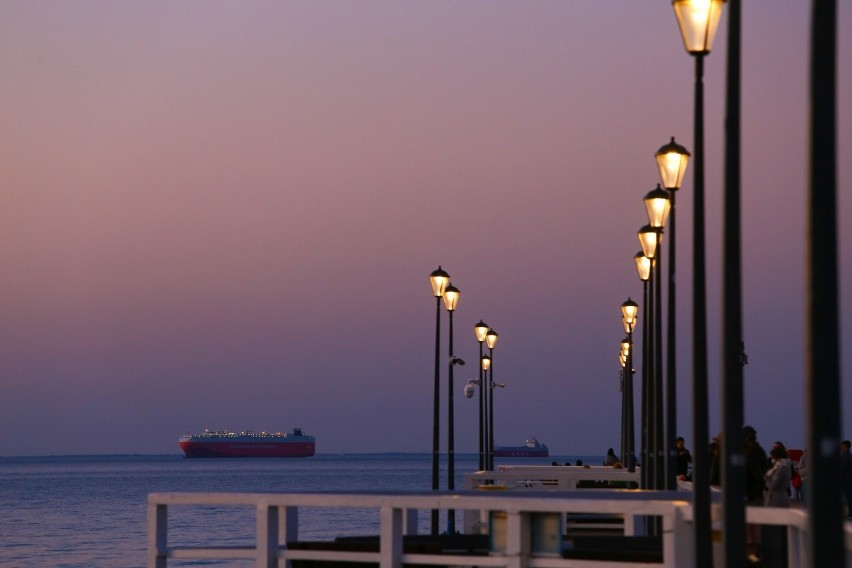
pixel 451 300
pixel 672 159
pixel 480 330
pixel 439 280
pixel 643 267
pixel 658 207
pixel 698 21
pixel 491 341
pixel 629 313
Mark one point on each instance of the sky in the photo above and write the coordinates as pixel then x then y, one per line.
pixel 224 215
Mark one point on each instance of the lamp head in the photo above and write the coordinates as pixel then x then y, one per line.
pixel 629 310
pixel 439 280
pixel 491 338
pixel 698 21
pixel 451 297
pixel 643 266
pixel 480 330
pixel 649 237
pixel 658 205
pixel 671 161
pixel 485 362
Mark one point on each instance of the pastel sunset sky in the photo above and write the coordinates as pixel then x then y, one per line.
pixel 224 215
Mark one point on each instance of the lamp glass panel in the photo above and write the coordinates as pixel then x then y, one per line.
pixel 657 205
pixel 491 339
pixel 480 329
pixel 649 237
pixel 451 298
pixel 672 169
pixel 439 280
pixel 643 266
pixel 698 21
pixel 486 363
pixel 629 310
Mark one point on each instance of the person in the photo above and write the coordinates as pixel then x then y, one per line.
pixel 803 474
pixel 773 550
pixel 846 475
pixel 755 468
pixel 684 458
pixel 778 478
pixel 755 462
pixel 610 457
pixel 715 450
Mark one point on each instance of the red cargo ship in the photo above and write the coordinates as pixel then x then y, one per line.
pixel 224 444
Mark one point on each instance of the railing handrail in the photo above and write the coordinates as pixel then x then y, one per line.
pixel 277 524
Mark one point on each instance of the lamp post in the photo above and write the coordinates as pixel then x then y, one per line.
pixel 658 206
pixel 649 237
pixel 439 280
pixel 629 312
pixel 672 159
pixel 481 329
pixel 491 339
pixel 451 299
pixel 623 355
pixel 698 21
pixel 643 267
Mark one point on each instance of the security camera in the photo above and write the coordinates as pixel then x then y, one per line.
pixel 468 390
pixel 498 385
pixel 456 360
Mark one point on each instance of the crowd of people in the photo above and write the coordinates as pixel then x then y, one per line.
pixel 772 480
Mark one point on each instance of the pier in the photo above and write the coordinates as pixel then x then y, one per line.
pixel 519 522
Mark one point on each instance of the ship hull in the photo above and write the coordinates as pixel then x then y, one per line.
pixel 521 452
pixel 225 444
pixel 255 449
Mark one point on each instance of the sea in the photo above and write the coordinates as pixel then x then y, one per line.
pixel 91 511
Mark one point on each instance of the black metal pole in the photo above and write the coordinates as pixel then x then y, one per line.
pixel 482 462
pixel 700 408
pixel 733 457
pixel 825 514
pixel 646 462
pixel 436 413
pixel 628 385
pixel 451 463
pixel 659 445
pixel 622 388
pixel 648 384
pixel 671 379
pixel 490 451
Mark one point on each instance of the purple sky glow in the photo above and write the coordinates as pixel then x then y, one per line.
pixel 224 214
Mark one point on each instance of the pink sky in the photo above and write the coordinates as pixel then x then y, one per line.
pixel 224 215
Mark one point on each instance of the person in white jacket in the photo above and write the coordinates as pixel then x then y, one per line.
pixel 778 479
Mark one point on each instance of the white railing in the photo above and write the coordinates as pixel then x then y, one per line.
pixel 516 526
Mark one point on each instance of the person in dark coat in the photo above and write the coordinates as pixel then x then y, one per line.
pixel 684 458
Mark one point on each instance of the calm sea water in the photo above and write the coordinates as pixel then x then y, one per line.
pixel 90 511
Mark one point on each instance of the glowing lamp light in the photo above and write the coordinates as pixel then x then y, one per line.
pixel 480 329
pixel 486 362
pixel 439 280
pixel 648 237
pixel 451 297
pixel 658 205
pixel 698 21
pixel 629 311
pixel 643 266
pixel 491 338
pixel 671 161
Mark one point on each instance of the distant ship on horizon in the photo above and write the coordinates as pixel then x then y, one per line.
pixel 248 444
pixel 532 449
